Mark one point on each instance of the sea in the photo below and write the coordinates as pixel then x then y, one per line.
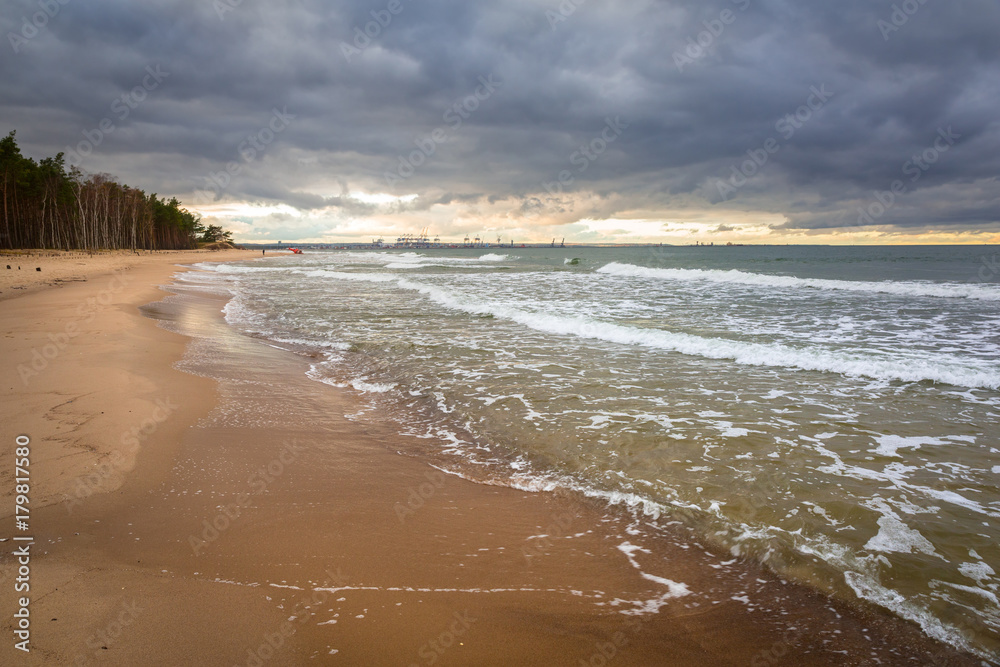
pixel 831 412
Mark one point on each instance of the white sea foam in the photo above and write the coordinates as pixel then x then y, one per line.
pixel 869 588
pixel 895 536
pixel 347 275
pixel 238 269
pixel 946 369
pixel 675 589
pixel 236 312
pixel 372 387
pixel 835 543
pixel 979 571
pixel 888 445
pixel 412 265
pixel 905 288
pixel 291 340
pixel 943 369
pixel 415 261
pixel 860 573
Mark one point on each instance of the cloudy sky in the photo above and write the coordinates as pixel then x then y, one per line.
pixel 659 120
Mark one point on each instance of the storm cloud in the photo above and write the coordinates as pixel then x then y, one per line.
pixel 321 120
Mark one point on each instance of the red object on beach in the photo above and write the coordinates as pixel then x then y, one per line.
pixel 296 251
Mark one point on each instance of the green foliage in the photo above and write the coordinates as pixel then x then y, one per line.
pixel 42 205
pixel 215 234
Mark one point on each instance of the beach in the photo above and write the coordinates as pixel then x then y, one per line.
pixel 197 498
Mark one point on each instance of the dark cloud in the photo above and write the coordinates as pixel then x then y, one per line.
pixel 696 89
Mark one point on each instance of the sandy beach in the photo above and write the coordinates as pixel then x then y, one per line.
pixel 197 500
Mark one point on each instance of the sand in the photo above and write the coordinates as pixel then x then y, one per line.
pixel 26 271
pixel 233 515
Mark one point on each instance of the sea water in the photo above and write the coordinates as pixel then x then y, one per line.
pixel 831 412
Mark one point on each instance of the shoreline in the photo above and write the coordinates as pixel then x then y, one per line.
pixel 301 543
pixel 53 338
pixel 32 271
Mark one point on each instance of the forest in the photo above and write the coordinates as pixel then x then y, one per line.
pixel 45 206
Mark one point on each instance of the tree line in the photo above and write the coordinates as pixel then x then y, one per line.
pixel 42 205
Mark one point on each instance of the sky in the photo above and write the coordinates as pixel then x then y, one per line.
pixel 744 121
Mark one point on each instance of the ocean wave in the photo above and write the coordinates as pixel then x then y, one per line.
pixel 949 371
pixel 424 265
pixel 347 275
pixel 364 387
pixel 860 572
pixel 734 276
pixel 946 370
pixel 236 268
pixel 412 265
pixel 305 342
pixel 859 568
pixel 414 260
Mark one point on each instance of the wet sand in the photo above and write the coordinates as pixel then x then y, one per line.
pixel 234 515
